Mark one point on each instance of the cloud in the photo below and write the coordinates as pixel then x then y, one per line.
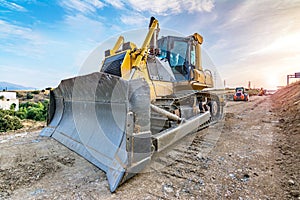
pixel 10 30
pixel 20 40
pixel 12 6
pixel 254 40
pixel 134 19
pixel 81 22
pixel 84 27
pixel 252 27
pixel 83 6
pixel 166 7
pixel 116 3
pixel 19 72
pixel 286 44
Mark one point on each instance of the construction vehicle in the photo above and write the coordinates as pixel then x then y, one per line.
pixel 261 92
pixel 240 94
pixel 140 102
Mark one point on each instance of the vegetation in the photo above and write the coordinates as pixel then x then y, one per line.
pixel 11 119
pixel 8 122
pixel 19 95
pixel 29 95
pixel 13 106
pixel 35 111
pixel 35 92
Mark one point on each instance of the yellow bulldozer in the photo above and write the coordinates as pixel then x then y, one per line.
pixel 141 101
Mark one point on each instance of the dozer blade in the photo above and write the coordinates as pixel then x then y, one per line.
pixel 106 120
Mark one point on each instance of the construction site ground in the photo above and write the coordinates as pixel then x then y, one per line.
pixel 252 154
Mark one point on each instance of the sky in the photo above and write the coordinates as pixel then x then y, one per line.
pixel 43 42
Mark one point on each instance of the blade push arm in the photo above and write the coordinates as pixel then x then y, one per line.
pixel 146 43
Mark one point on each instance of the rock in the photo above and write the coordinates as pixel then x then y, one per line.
pixel 291 182
pixel 37 192
pixel 148 198
pixel 229 115
pixel 295 193
pixel 168 188
pixel 297 102
pixel 281 120
pixel 245 178
pixel 201 182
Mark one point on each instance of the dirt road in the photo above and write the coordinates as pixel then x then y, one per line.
pixel 234 159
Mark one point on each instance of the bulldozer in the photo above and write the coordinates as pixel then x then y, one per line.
pixel 139 103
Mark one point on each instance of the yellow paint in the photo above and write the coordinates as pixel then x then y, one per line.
pixel 163 88
pixel 199 76
pixel 118 44
pixel 136 58
pixel 126 66
pixel 198 38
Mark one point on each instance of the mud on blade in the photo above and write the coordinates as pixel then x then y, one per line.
pixel 106 120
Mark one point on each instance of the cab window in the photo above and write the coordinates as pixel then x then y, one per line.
pixel 193 55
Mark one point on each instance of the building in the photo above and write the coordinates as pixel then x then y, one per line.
pixel 7 99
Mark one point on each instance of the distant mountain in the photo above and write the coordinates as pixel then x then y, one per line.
pixel 11 86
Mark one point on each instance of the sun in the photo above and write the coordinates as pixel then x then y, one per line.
pixel 272 82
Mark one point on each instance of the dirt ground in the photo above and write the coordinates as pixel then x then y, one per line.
pixel 252 154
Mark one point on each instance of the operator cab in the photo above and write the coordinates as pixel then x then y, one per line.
pixel 180 53
pixel 240 90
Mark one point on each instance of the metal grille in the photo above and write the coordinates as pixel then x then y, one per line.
pixel 112 65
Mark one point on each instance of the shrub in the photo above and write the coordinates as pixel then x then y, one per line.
pixel 12 106
pixel 29 96
pixel 34 111
pixel 8 123
pixel 11 119
pixel 1 97
pixel 36 114
pixel 35 92
pixel 21 114
pixel 27 105
pixel 7 112
pixel 19 95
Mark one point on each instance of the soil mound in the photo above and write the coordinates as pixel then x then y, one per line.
pixel 286 104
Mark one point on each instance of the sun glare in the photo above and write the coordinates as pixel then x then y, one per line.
pixel 272 82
